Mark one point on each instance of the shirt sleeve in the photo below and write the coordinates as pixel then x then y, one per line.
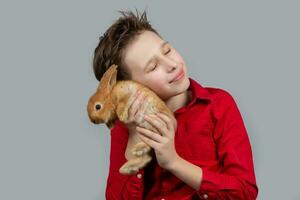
pixel 120 186
pixel 236 180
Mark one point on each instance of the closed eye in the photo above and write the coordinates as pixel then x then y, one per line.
pixel 168 51
pixel 154 67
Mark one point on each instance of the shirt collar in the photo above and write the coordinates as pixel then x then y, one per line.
pixel 198 91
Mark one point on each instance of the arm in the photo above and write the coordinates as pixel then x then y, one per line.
pixel 123 137
pixel 187 172
pixel 237 178
pixel 120 186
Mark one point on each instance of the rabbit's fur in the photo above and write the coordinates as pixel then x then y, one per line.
pixel 112 101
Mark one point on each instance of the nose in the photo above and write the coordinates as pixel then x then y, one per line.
pixel 170 64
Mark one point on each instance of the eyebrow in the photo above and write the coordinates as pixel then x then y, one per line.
pixel 147 63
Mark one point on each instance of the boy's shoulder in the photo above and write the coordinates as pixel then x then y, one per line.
pixel 217 92
pixel 220 96
pixel 213 93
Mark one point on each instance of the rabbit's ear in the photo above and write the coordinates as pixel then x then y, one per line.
pixel 109 78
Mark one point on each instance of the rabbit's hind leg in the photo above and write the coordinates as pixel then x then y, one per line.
pixel 132 166
pixel 140 149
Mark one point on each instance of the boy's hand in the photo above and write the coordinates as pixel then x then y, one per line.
pixel 135 110
pixel 163 141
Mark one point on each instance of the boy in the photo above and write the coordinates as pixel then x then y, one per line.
pixel 204 153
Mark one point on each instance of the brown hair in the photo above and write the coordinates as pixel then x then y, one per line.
pixel 114 41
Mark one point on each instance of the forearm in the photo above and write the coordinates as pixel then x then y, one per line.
pixel 187 172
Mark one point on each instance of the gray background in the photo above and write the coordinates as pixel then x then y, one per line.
pixel 49 149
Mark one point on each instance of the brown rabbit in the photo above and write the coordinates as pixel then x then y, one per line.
pixel 112 101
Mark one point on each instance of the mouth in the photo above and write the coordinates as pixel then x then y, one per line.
pixel 95 121
pixel 178 76
pixel 110 123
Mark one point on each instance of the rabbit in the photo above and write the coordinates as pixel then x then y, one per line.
pixel 112 100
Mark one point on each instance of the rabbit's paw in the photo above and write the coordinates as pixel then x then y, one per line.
pixel 145 160
pixel 123 117
pixel 140 149
pixel 130 167
pixel 133 166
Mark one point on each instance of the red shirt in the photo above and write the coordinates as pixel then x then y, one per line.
pixel 210 134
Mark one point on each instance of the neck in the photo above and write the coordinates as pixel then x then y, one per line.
pixel 179 100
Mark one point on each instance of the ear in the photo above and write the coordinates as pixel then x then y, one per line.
pixel 109 78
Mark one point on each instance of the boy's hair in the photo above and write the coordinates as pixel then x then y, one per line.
pixel 114 41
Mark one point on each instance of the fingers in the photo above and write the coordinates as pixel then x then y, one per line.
pixel 168 121
pixel 148 137
pixel 150 134
pixel 135 106
pixel 163 123
pixel 157 123
pixel 139 116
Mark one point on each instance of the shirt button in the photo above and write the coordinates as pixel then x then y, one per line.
pixel 205 196
pixel 139 175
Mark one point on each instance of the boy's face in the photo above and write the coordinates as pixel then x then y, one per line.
pixel 154 63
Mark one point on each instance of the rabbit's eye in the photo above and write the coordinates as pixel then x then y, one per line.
pixel 98 106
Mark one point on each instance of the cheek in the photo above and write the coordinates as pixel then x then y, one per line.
pixel 157 83
pixel 178 57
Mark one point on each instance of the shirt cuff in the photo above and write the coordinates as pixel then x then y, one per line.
pixel 213 183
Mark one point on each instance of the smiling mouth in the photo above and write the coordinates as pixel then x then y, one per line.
pixel 180 75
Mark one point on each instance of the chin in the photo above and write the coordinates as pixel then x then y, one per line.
pixel 185 84
pixel 179 89
pixel 183 87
